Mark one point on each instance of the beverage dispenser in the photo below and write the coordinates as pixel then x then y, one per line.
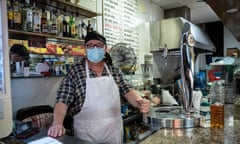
pixel 174 64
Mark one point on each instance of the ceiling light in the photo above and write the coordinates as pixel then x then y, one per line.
pixel 232 10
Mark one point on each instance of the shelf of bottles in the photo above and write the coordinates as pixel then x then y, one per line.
pixel 71 5
pixel 57 19
pixel 52 29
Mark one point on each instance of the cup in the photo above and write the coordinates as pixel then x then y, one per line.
pixel 26 71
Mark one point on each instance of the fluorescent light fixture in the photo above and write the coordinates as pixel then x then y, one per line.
pixel 232 10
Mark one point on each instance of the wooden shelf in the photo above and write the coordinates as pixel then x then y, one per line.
pixel 15 33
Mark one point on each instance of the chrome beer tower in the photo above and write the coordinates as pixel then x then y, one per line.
pixel 187 69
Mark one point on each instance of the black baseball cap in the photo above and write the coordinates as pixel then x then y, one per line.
pixel 94 35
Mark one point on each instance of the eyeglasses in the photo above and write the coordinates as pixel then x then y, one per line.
pixel 92 45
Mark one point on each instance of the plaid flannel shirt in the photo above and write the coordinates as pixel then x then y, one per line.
pixel 72 89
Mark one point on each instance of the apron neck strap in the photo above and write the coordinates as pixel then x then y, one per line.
pixel 87 69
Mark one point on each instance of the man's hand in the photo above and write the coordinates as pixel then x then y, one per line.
pixel 56 130
pixel 144 105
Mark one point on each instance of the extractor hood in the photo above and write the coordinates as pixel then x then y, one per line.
pixel 171 33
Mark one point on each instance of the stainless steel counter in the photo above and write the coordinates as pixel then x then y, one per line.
pixel 230 134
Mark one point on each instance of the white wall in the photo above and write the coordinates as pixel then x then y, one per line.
pixel 33 91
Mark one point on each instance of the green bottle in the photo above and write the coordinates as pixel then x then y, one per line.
pixel 72 28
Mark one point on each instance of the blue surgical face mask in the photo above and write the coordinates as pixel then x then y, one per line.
pixel 95 54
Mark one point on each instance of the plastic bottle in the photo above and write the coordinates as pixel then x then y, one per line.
pixel 217 104
pixel 205 112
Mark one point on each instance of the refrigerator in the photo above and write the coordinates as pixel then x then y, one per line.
pixel 5 91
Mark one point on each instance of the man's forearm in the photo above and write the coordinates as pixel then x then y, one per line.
pixel 60 111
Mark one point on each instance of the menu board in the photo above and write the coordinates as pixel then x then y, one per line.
pixel 120 21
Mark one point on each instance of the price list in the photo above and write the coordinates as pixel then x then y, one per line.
pixel 120 22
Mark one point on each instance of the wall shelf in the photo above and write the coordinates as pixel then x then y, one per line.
pixel 18 33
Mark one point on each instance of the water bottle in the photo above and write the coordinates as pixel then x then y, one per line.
pixel 205 113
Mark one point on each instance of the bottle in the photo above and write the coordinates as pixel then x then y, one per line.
pixel 83 30
pixel 217 104
pixel 59 21
pixel 89 27
pixel 65 27
pixel 27 17
pixel 10 14
pixel 205 113
pixel 72 28
pixel 36 17
pixel 53 23
pixel 44 21
pixel 17 16
pixel 78 22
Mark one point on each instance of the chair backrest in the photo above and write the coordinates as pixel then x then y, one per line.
pixel 41 116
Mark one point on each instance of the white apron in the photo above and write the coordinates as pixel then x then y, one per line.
pixel 100 118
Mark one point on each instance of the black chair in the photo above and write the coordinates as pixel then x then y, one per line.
pixel 42 116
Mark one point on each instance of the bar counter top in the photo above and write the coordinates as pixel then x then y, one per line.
pixel 230 134
pixel 65 139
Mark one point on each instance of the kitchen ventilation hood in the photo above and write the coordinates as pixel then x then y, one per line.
pixel 171 33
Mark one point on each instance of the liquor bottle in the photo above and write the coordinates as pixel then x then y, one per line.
pixel 53 23
pixel 36 17
pixel 89 26
pixel 17 16
pixel 83 30
pixel 78 22
pixel 72 29
pixel 10 14
pixel 59 23
pixel 44 21
pixel 65 27
pixel 27 17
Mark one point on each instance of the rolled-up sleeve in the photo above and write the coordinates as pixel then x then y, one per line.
pixel 72 89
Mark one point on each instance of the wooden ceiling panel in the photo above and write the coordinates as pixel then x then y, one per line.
pixel 229 12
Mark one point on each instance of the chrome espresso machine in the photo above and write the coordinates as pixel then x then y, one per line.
pixel 173 65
